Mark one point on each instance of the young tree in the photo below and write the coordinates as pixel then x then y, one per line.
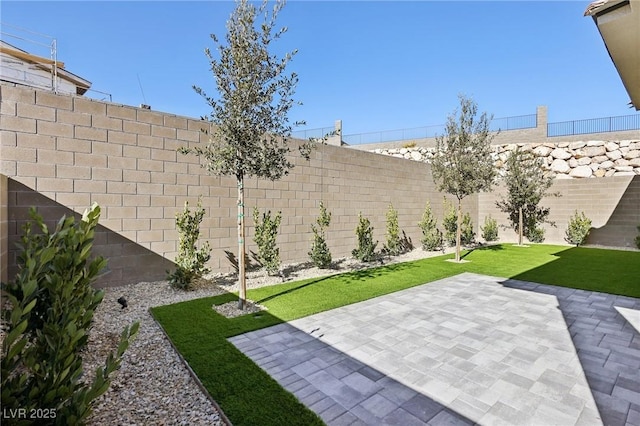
pixel 462 165
pixel 250 114
pixel 526 183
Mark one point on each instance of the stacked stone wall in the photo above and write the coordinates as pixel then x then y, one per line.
pixel 580 159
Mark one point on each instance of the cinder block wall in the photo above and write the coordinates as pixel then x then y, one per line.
pixel 612 204
pixel 62 153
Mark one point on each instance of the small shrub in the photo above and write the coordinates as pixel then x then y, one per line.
pixel 365 251
pixel 431 235
pixel 577 229
pixel 490 229
pixel 411 144
pixel 320 254
pixel 638 238
pixel 47 312
pixel 395 244
pixel 535 235
pixel 450 224
pixel 266 233
pixel 190 260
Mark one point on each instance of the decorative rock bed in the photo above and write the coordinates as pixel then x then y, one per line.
pixel 565 159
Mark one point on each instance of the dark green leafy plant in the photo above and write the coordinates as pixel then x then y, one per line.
pixel 450 224
pixel 577 229
pixel 365 251
pixel 638 238
pixel 320 254
pixel 50 306
pixel 527 183
pixel 462 164
pixel 490 229
pixel 394 244
pixel 536 235
pixel 266 233
pixel 190 260
pixel 431 235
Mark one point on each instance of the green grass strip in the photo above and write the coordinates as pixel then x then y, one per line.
pixel 249 396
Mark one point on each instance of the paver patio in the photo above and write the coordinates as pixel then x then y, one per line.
pixel 463 350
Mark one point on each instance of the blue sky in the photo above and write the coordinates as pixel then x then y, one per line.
pixel 374 65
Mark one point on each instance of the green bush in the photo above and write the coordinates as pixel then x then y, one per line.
pixel 535 235
pixel 190 260
pixel 577 229
pixel 320 254
pixel 48 313
pixel 395 244
pixel 490 229
pixel 638 238
pixel 450 224
pixel 266 233
pixel 431 235
pixel 365 251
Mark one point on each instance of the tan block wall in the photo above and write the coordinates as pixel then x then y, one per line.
pixel 68 152
pixel 612 204
pixel 4 227
pixel 62 153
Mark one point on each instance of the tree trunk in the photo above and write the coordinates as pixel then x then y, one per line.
pixel 520 226
pixel 458 231
pixel 241 248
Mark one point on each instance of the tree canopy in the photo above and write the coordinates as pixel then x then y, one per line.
pixel 463 165
pixel 527 183
pixel 249 115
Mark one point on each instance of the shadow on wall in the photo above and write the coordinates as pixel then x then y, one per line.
pixel 620 230
pixel 128 262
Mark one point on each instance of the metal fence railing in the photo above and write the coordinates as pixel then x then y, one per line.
pixel 594 125
pixel 318 133
pixel 529 121
pixel 502 124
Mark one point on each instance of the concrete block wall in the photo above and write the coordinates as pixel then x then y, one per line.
pixel 612 204
pixel 63 153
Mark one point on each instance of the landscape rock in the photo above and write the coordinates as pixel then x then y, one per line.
pixel 581 172
pixel 560 166
pixel 560 154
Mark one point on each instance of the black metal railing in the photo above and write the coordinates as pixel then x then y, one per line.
pixel 502 124
pixel 594 125
pixel 318 133
pixel 529 121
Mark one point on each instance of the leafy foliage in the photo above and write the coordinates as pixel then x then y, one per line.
pixel 266 233
pixel 462 164
pixel 638 238
pixel 320 254
pixel 536 235
pixel 395 244
pixel 191 260
pixel 450 224
pixel 365 251
pixel 527 184
pixel 249 117
pixel 577 229
pixel 50 308
pixel 490 229
pixel 431 235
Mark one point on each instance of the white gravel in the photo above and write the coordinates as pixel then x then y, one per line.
pixel 153 387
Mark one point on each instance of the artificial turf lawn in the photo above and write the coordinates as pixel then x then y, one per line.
pixel 250 396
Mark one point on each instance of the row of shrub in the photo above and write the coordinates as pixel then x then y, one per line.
pixel 191 260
